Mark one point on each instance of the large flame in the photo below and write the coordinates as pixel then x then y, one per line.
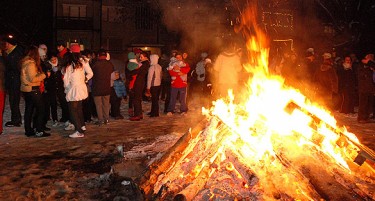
pixel 260 146
pixel 274 119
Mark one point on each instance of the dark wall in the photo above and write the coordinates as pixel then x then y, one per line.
pixel 29 21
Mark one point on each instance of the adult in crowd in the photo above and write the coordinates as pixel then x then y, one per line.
pixel 101 86
pixel 12 55
pixel 62 56
pixel 227 66
pixel 139 86
pixel 32 77
pixel 366 88
pixel 54 86
pixel 326 82
pixel 153 84
pixel 347 84
pixel 178 71
pixel 76 92
pixel 2 91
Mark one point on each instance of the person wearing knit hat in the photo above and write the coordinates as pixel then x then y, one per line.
pixel 131 77
pixel 75 48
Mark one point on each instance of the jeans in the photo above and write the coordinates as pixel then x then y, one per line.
pixel 34 100
pixel 76 115
pixel 172 103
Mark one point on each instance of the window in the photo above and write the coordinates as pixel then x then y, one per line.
pixel 73 10
pixel 143 18
pixel 112 14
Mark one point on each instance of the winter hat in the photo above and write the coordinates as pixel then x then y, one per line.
pixel 137 50
pixel 204 55
pixel 327 55
pixel 74 47
pixel 43 46
pixel 310 52
pixel 10 39
pixel 131 55
pixel 132 61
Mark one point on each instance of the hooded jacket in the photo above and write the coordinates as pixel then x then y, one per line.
pixel 154 72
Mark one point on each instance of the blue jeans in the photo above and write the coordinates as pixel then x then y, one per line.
pixel 172 103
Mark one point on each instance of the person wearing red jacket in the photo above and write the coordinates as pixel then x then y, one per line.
pixel 178 85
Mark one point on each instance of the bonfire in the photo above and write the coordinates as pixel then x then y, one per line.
pixel 274 144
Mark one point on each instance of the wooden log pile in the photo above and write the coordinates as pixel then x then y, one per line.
pixel 194 169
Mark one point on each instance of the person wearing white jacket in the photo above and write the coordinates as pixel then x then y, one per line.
pixel 76 91
pixel 154 84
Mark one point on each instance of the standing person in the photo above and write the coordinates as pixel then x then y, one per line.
pixel 62 56
pixel 101 86
pixel 76 92
pixel 326 82
pixel 54 84
pixel 178 72
pixel 227 66
pixel 347 84
pixel 119 91
pixel 2 91
pixel 13 55
pixel 139 86
pixel 366 88
pixel 32 77
pixel 153 84
pixel 131 76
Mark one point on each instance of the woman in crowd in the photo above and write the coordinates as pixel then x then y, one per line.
pixel 32 78
pixel 153 84
pixel 139 86
pixel 76 92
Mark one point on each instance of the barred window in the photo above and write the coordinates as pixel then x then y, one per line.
pixel 143 18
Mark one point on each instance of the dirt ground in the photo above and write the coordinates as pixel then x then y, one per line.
pixel 93 167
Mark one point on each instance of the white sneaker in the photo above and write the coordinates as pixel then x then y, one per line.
pixel 83 128
pixel 55 123
pixel 76 135
pixel 169 114
pixel 70 127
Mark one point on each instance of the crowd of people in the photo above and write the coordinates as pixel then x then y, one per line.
pixel 87 86
pixel 338 82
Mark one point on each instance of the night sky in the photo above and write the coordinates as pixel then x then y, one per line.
pixel 30 21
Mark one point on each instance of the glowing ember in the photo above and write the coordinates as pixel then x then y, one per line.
pixel 273 144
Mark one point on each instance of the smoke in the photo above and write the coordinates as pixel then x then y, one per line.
pixel 200 24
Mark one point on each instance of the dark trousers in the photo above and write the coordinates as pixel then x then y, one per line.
pixel 33 100
pixel 76 115
pixel 137 101
pixel 167 96
pixel 14 103
pixel 64 105
pixel 347 105
pixel 165 87
pixel 2 104
pixel 47 109
pixel 52 105
pixel 365 105
pixel 89 109
pixel 155 93
pixel 115 103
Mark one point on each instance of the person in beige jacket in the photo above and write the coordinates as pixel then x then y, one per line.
pixel 32 78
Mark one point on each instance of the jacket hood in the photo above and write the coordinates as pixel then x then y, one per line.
pixel 131 55
pixel 154 59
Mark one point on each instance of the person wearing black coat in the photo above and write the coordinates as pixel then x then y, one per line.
pixel 139 86
pixel 366 88
pixel 12 58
